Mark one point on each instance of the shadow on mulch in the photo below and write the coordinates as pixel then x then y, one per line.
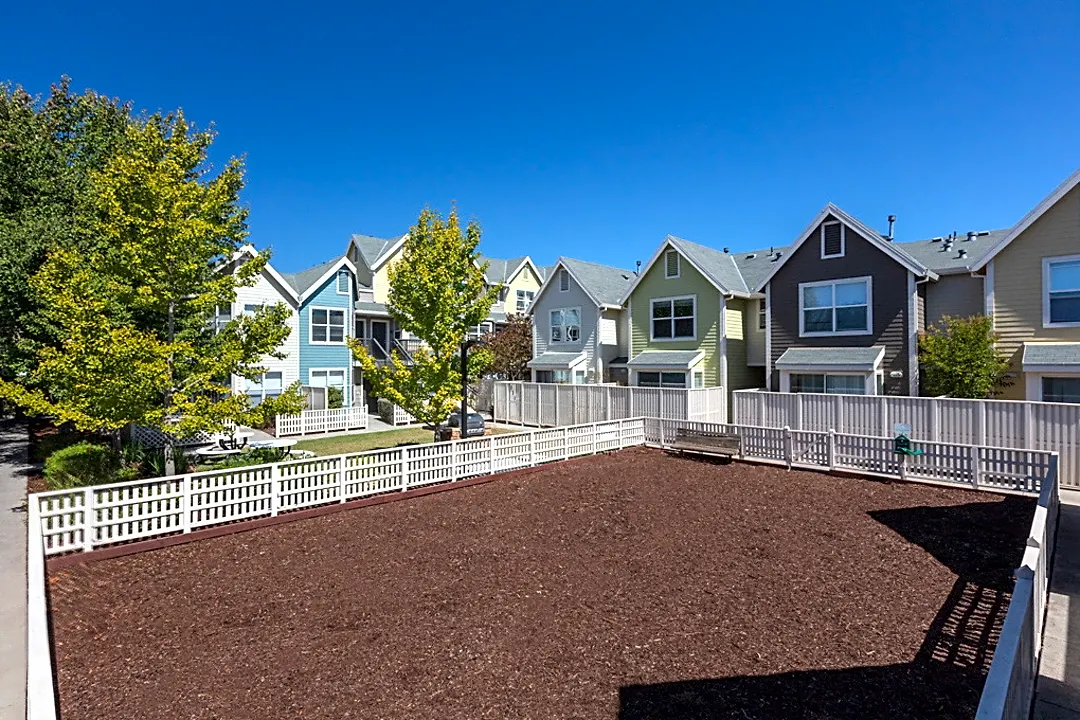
pixel 944 680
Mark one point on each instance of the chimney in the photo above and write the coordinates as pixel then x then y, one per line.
pixel 892 222
pixel 971 235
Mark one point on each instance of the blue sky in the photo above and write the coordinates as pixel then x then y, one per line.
pixel 589 129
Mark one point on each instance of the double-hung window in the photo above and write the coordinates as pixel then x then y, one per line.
pixel 524 299
pixel 327 378
pixel 222 316
pixel 1061 291
pixel 673 318
pixel 1061 389
pixel 267 385
pixel 760 314
pixel 566 325
pixel 835 307
pixel 327 326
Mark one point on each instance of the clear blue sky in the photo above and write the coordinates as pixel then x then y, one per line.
pixel 592 130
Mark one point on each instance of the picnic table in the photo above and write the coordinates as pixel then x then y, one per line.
pixel 284 447
pixel 236 441
pixel 213 452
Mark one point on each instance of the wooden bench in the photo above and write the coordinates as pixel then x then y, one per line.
pixel 706 442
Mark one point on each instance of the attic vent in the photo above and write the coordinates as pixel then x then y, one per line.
pixel 564 280
pixel 751 256
pixel 832 240
pixel 671 264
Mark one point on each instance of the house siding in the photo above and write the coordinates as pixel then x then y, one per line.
pixel 739 374
pixel 889 299
pixel 266 291
pixel 380 279
pixel 619 349
pixel 955 295
pixel 708 330
pixel 755 337
pixel 326 356
pixel 524 280
pixel 1018 283
pixel 553 299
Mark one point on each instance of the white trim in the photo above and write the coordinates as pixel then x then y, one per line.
pixel 388 253
pixel 1028 220
pixel 1033 385
pixel 348 283
pixel 528 300
pixel 871 236
pixel 723 342
pixel 1046 263
pixel 678 265
pixel 251 251
pixel 527 261
pixel 988 292
pixel 551 280
pixel 843 239
pixel 768 337
pixel 551 326
pixel 343 261
pixel 672 299
pixel 311 323
pixel 867 279
pixel 913 335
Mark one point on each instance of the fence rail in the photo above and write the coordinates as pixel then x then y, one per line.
pixel 999 423
pixel 322 421
pixel 552 405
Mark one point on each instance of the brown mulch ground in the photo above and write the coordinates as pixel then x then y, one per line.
pixel 629 586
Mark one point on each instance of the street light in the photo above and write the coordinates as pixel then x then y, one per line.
pixel 463 420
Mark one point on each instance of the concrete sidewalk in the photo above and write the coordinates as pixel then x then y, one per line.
pixel 13 472
pixel 1057 694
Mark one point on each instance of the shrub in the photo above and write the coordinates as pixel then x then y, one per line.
pixel 960 359
pixel 386 411
pixel 255 456
pixel 80 465
pixel 335 398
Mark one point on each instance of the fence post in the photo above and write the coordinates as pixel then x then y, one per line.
pixel 566 443
pixel 789 449
pixel 630 402
pixel 621 443
pixel 532 449
pixel 839 402
pixel 88 519
pixel 341 479
pixel 1029 426
pixel 976 466
pixel 277 426
pixel 980 424
pixel 185 504
pixel 799 411
pixel 660 421
pixel 903 467
pixel 303 423
pixel 831 452
pixel 595 427
pixel 404 469
pixel 557 405
pixel 275 493
pixel 454 460
pixel 935 420
pixel 884 417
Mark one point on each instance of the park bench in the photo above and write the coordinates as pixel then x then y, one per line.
pixel 707 442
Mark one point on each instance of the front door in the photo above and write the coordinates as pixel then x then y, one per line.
pixel 380 334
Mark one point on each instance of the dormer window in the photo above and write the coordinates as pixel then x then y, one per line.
pixel 564 280
pixel 671 264
pixel 833 240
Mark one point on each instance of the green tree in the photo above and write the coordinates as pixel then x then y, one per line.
pixel 133 306
pixel 960 358
pixel 48 149
pixel 511 348
pixel 437 293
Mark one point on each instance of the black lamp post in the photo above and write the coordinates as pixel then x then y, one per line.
pixel 463 422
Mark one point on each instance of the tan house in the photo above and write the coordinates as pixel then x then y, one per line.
pixel 1032 292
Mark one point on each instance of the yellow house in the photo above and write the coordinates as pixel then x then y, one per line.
pixel 1032 292
pixel 520 280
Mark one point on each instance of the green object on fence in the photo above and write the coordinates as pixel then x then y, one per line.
pixel 902 446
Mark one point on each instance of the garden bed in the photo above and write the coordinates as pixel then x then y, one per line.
pixel 632 585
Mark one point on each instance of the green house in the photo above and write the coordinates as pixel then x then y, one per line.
pixel 694 319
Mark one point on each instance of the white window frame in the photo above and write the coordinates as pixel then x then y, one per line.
pixel 678 264
pixel 867 279
pixel 344 381
pixel 327 341
pixel 348 283
pixel 551 327
pixel 660 378
pixel 1046 263
pixel 843 240
pixel 215 322
pixel 653 301
pixel 262 385
pixel 870 379
pixel 527 296
pixel 564 274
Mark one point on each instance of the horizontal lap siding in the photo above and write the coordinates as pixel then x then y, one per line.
pixel 740 374
pixel 266 291
pixel 326 356
pixel 955 295
pixel 554 299
pixel 755 337
pixel 890 303
pixel 1018 282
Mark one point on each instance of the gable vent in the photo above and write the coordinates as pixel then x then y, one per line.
pixel 832 240
pixel 564 280
pixel 671 264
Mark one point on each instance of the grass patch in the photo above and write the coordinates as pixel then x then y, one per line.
pixel 343 444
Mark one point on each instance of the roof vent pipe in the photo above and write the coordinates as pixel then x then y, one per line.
pixel 971 235
pixel 637 270
pixel 727 250
pixel 892 222
pixel 963 253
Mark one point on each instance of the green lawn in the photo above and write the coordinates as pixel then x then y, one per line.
pixel 370 441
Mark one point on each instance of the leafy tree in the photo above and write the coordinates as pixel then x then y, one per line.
pixel 133 306
pixel 437 293
pixel 511 348
pixel 48 149
pixel 960 358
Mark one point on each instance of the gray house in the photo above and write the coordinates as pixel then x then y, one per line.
pixel 579 331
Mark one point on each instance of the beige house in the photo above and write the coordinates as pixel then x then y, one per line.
pixel 1032 292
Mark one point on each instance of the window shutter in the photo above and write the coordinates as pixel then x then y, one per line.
pixel 671 258
pixel 832 240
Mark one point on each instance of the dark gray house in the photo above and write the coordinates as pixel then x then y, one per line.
pixel 844 305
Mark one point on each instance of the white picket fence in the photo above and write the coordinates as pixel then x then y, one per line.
pixel 999 423
pixel 401 417
pixel 553 405
pixel 1010 685
pixel 322 421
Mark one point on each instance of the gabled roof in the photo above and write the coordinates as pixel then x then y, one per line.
pixel 603 284
pixel 309 281
pixel 502 272
pixel 280 278
pixel 372 249
pixel 1028 220
pixel 718 267
pixel 891 249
